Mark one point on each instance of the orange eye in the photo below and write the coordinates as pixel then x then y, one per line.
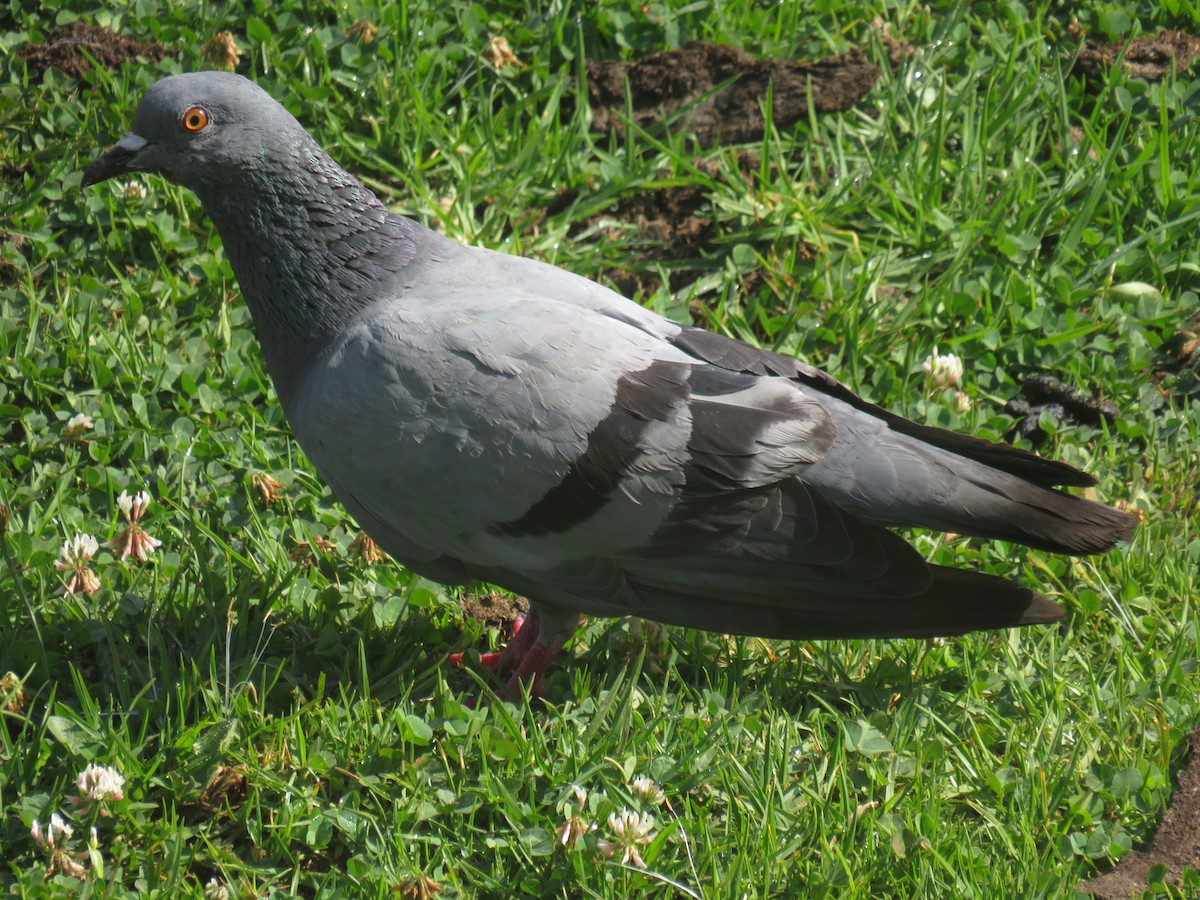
pixel 195 119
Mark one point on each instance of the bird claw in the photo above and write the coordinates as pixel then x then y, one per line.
pixel 512 656
pixel 525 657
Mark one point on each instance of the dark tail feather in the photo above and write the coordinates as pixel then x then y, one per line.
pixel 961 600
pixel 1044 518
pixel 957 601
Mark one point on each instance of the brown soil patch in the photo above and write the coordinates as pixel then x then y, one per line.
pixel 493 610
pixel 691 78
pixel 1151 57
pixel 717 90
pixel 1181 350
pixel 229 786
pixel 11 246
pixel 10 171
pixel 63 49
pixel 668 224
pixel 1066 404
pixel 227 789
pixel 671 226
pixel 1176 844
pixel 1176 372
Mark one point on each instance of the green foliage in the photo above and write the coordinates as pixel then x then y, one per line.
pixel 984 200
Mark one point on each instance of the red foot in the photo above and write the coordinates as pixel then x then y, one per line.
pixel 525 632
pixel 525 656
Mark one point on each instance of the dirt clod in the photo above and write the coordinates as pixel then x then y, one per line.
pixel 672 228
pixel 493 610
pixel 1176 371
pixel 671 81
pixel 1043 394
pixel 1151 56
pixel 227 789
pixel 1176 844
pixel 1181 350
pixel 229 786
pixel 10 171
pixel 64 49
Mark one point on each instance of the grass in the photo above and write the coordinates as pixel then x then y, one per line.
pixel 280 710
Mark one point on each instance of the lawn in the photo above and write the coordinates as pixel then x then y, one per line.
pixel 276 699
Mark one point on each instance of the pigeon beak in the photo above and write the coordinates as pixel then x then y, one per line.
pixel 118 159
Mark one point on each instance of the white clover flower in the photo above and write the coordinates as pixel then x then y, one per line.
pixel 132 190
pixel 77 551
pixel 216 890
pixel 575 826
pixel 74 558
pixel 647 791
pixel 57 832
pixel 962 403
pixel 133 539
pixel 570 831
pixel 77 426
pixel 580 796
pixel 99 783
pixel 631 830
pixel 133 507
pixel 944 370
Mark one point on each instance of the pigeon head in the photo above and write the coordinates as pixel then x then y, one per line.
pixel 199 129
pixel 310 246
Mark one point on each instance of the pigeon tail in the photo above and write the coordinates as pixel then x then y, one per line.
pixel 990 503
pixel 955 602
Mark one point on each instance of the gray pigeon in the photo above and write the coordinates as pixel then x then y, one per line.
pixel 487 417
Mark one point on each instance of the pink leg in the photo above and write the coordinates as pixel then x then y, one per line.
pixel 533 666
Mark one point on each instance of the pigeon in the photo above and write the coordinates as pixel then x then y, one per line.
pixel 491 418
